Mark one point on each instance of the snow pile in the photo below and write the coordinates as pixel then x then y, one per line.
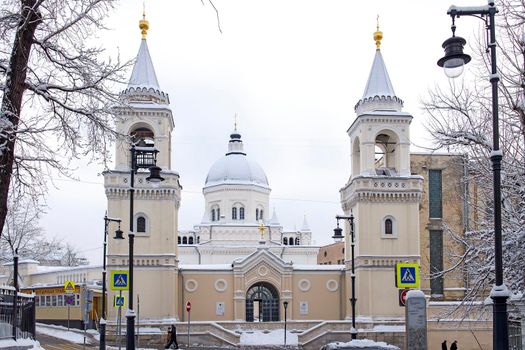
pixel 6 343
pixel 60 332
pixel 274 337
pixel 360 344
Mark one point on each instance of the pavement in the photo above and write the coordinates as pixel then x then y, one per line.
pixel 52 343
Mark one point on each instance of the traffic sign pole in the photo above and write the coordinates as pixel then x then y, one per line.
pixel 188 309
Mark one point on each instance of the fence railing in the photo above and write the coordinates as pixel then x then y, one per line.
pixel 23 318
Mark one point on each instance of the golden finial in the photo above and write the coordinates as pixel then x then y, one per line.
pixel 378 35
pixel 143 23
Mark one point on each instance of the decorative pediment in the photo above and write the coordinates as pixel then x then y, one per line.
pixel 260 259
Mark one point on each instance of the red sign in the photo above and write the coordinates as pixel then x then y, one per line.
pixel 188 306
pixel 403 296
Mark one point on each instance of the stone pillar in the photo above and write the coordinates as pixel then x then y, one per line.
pixel 416 321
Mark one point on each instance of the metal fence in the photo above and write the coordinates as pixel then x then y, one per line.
pixel 25 314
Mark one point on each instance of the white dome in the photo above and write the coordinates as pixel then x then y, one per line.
pixel 236 168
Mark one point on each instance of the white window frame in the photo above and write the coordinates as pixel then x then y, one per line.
pixel 394 227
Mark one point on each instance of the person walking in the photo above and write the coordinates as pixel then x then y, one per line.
pixel 172 338
pixel 454 345
pixel 444 345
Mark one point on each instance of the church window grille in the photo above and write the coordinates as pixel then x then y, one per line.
pixel 388 227
pixel 190 240
pixel 184 240
pixel 141 224
pixel 234 213
pixel 262 303
pixel 241 213
pixel 435 200
pixel 297 241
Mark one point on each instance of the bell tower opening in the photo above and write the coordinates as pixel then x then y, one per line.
pixel 386 153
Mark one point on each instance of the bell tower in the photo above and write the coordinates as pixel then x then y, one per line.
pixel 146 121
pixel 382 195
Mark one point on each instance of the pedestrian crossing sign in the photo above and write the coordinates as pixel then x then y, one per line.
pixel 119 280
pixel 119 301
pixel 407 275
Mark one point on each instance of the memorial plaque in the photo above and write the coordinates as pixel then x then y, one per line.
pixel 416 320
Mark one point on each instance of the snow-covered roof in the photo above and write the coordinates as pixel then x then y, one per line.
pixel 318 267
pixel 378 81
pixel 379 93
pixel 205 267
pixel 235 168
pixel 143 75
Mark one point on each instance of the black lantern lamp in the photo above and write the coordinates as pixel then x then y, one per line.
pixel 454 60
pixel 338 233
pixel 119 234
pixel 154 177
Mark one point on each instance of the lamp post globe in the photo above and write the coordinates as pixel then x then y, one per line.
pixel 454 60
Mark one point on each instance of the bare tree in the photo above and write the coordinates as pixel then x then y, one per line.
pixel 56 89
pixel 460 119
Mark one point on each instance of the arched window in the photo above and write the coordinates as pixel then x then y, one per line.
pixel 198 239
pixel 241 213
pixel 218 214
pixel 141 224
pixel 234 213
pixel 178 240
pixel 388 227
pixel 285 241
pixel 213 215
pixel 257 214
pixel 290 242
pixel 184 240
pixel 297 241
pixel 261 214
pixel 190 240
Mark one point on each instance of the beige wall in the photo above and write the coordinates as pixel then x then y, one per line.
pixel 324 302
pixel 452 191
pixel 332 254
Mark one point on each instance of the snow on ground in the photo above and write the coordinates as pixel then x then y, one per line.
pixel 60 332
pixel 6 343
pixel 360 343
pixel 275 337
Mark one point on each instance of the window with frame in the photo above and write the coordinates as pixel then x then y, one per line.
pixel 257 214
pixel 285 241
pixel 435 195
pixel 184 240
pixel 297 241
pixel 436 262
pixel 213 215
pixel 190 240
pixel 141 224
pixel 241 213
pixel 234 213
pixel 388 227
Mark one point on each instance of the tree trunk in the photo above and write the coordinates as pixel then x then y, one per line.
pixel 13 93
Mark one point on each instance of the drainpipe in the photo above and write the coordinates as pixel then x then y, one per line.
pixel 198 253
pixel 182 294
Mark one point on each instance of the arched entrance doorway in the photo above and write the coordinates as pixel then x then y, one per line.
pixel 262 303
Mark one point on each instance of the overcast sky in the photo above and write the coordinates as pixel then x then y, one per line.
pixel 291 70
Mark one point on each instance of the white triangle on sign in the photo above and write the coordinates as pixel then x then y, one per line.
pixel 69 286
pixel 408 277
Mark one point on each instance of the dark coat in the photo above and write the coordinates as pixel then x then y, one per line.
pixel 454 346
pixel 444 345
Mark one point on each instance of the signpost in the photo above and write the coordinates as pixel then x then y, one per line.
pixel 188 309
pixel 119 301
pixel 403 297
pixel 119 280
pixel 69 289
pixel 407 275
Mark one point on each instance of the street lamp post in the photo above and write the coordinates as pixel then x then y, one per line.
pixel 102 325
pixel 285 304
pixel 142 157
pixel 453 63
pixel 338 236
